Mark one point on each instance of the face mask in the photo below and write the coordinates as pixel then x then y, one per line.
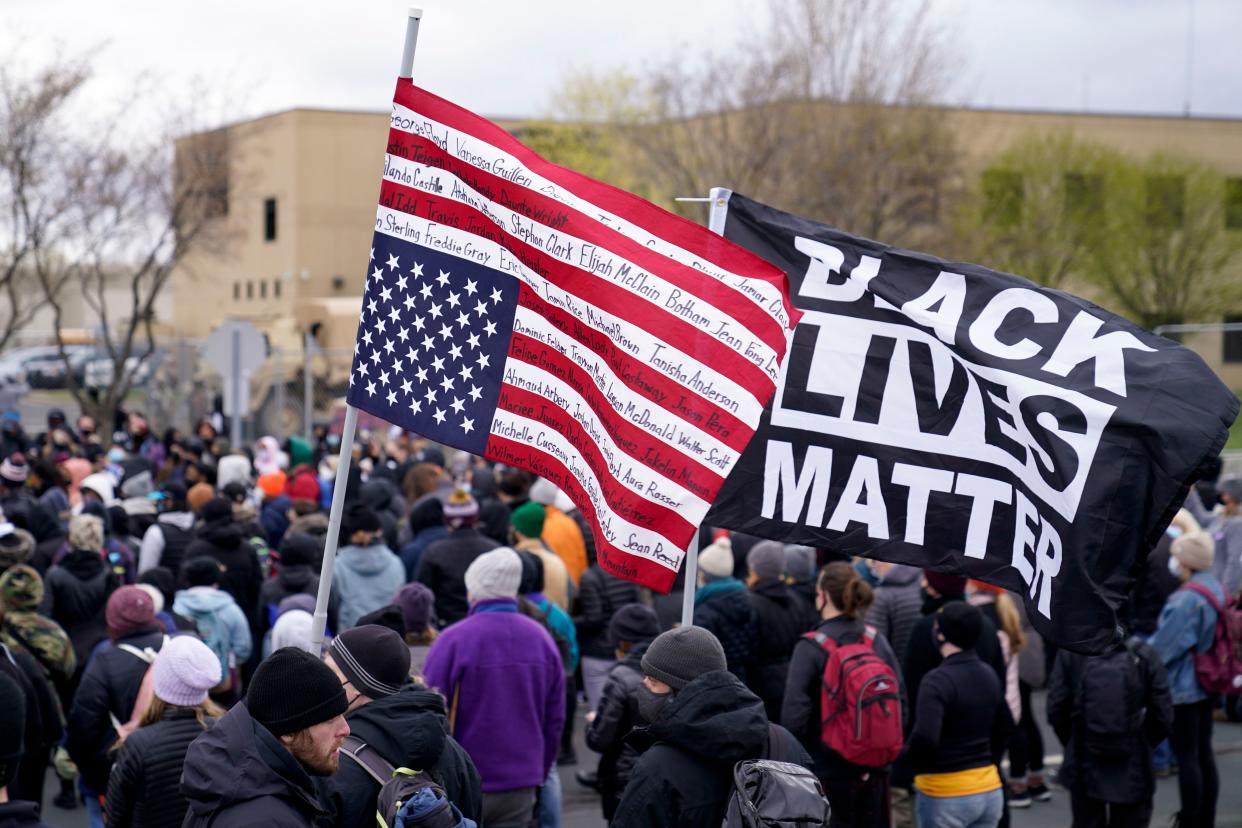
pixel 1175 567
pixel 651 705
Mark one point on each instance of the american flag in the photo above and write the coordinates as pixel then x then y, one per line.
pixel 532 315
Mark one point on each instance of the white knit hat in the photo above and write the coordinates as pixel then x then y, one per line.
pixel 157 597
pixel 1195 550
pixel 717 560
pixel 185 669
pixel 494 574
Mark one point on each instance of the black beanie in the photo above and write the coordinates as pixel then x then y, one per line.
pixel 298 549
pixel 634 623
pixel 532 573
pixel 681 655
pixel 202 570
pixel 960 624
pixel 390 616
pixel 162 578
pixel 292 690
pixel 218 508
pixel 12 726
pixel 361 519
pixel 375 659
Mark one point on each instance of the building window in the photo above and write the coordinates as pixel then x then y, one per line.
pixel 269 219
pixel 1003 194
pixel 276 288
pixel 1233 203
pixel 249 290
pixel 1166 201
pixel 263 289
pixel 1233 341
pixel 236 291
pixel 1084 195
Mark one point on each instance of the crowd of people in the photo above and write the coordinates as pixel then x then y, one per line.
pixel 157 602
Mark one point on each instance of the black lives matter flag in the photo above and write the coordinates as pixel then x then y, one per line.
pixel 952 417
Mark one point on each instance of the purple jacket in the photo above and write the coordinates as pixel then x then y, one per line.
pixel 502 676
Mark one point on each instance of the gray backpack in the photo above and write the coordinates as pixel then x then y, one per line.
pixel 770 793
pixel 398 786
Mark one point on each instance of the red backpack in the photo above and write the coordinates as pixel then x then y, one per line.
pixel 860 702
pixel 1219 668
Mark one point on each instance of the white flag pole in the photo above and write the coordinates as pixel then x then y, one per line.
pixel 718 211
pixel 350 426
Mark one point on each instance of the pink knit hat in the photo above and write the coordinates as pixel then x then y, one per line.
pixel 185 670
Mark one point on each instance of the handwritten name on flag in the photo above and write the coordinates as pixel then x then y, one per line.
pixel 529 314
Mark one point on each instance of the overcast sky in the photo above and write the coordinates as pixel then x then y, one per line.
pixel 504 57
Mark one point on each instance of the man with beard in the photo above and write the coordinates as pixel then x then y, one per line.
pixel 254 767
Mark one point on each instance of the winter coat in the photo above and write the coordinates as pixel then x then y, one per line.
pixel 683 779
pixel 207 607
pixel 1187 625
pixel 75 595
pixel 801 709
pixel 316 525
pixel 615 716
pixel 377 495
pixel 897 606
pixel 44 726
pixel 164 543
pixel 780 620
pixel 108 691
pixel 723 608
pixel 366 578
pixel 23 511
pixel 222 539
pixel 442 568
pixel 409 729
pixel 502 675
pixel 426 523
pixel 290 580
pixel 25 631
pixel 1129 779
pixel 600 594
pixel 238 775
pixel 274 518
pixel 1227 565
pixel 144 789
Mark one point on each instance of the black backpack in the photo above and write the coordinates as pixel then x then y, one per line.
pixel 398 786
pixel 772 793
pixel 1108 708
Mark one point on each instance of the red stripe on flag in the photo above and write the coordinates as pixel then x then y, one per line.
pixel 666 460
pixel 662 325
pixel 616 561
pixel 659 388
pixel 540 208
pixel 673 228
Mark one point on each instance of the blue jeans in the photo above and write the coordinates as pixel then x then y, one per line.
pixel 550 801
pixel 974 811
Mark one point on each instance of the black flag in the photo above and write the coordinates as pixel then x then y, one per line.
pixel 952 417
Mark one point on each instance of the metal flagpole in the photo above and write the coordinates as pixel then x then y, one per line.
pixel 718 211
pixel 350 426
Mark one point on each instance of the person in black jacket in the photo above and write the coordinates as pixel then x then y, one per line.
pixel 76 590
pixel 254 766
pixel 296 576
pixel 110 687
pixel 701 721
pixel 722 606
pixel 220 537
pixel 781 618
pixel 859 795
pixel 961 730
pixel 15 810
pixel 1116 788
pixel 144 788
pixel 405 724
pixel 443 564
pixel 631 630
pixel 42 722
pixel 600 595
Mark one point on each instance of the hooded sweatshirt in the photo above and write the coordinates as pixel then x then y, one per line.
pixel 408 729
pixel 366 578
pixel 222 539
pixel 238 775
pixel 220 621
pixel 684 778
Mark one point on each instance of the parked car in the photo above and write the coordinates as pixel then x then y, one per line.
pixel 98 372
pixel 49 371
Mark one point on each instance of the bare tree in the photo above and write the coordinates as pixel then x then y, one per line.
pixel 35 164
pixel 828 112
